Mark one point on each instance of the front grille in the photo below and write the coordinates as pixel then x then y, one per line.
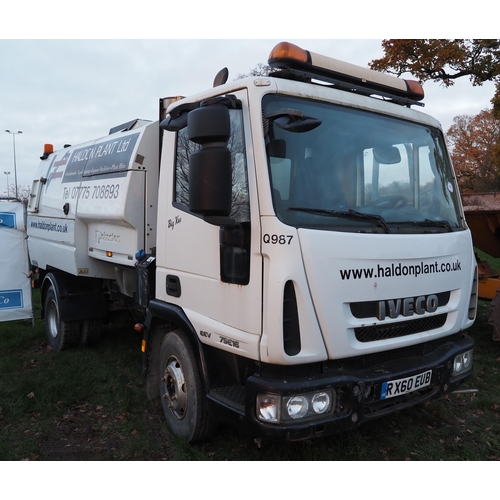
pixel 363 310
pixel 399 329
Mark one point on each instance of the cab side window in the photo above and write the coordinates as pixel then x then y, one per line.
pixel 240 207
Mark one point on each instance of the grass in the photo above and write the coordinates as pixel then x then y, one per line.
pixel 90 404
pixel 83 403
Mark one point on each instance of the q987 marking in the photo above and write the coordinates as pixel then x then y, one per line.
pixel 278 239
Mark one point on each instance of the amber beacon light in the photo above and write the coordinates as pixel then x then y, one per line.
pixel 286 51
pixel 48 149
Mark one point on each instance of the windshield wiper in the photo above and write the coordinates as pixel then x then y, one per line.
pixel 429 223
pixel 349 214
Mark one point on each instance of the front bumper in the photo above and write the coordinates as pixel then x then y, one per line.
pixel 358 391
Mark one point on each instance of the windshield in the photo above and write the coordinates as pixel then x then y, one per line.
pixel 345 169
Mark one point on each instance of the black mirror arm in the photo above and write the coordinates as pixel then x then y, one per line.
pixel 221 221
pixel 231 231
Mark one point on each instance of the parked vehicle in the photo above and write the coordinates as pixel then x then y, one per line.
pixel 293 248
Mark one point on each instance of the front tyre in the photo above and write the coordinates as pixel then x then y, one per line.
pixel 182 398
pixel 60 334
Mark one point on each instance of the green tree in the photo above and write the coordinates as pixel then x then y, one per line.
pixel 444 61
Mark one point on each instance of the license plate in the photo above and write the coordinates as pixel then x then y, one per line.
pixel 402 386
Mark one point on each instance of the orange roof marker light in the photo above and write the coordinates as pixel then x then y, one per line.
pixel 48 149
pixel 289 51
pixel 345 76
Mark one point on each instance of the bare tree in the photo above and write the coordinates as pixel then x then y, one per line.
pixel 23 192
pixel 260 69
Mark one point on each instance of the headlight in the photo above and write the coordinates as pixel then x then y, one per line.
pixel 273 408
pixel 297 407
pixel 462 363
pixel 321 402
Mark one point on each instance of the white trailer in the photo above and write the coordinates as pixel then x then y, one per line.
pixel 292 247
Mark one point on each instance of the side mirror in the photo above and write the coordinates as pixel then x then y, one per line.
pixel 210 176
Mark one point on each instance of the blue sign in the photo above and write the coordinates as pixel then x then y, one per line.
pixel 11 299
pixel 7 219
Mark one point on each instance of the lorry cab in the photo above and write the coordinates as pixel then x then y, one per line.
pixel 353 239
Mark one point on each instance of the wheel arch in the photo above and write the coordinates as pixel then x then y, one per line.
pixel 78 297
pixel 162 318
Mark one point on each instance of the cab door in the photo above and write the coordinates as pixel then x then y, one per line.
pixel 214 272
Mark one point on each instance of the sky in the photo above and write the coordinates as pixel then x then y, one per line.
pixel 72 89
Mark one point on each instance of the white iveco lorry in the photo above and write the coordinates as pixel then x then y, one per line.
pixel 292 247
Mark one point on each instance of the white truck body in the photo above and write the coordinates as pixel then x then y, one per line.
pixel 360 280
pixel 106 185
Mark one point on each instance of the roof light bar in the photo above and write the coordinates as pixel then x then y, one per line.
pixel 345 76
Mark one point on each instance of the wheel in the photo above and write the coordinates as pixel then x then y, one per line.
pixel 90 332
pixel 182 398
pixel 60 334
pixel 389 202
